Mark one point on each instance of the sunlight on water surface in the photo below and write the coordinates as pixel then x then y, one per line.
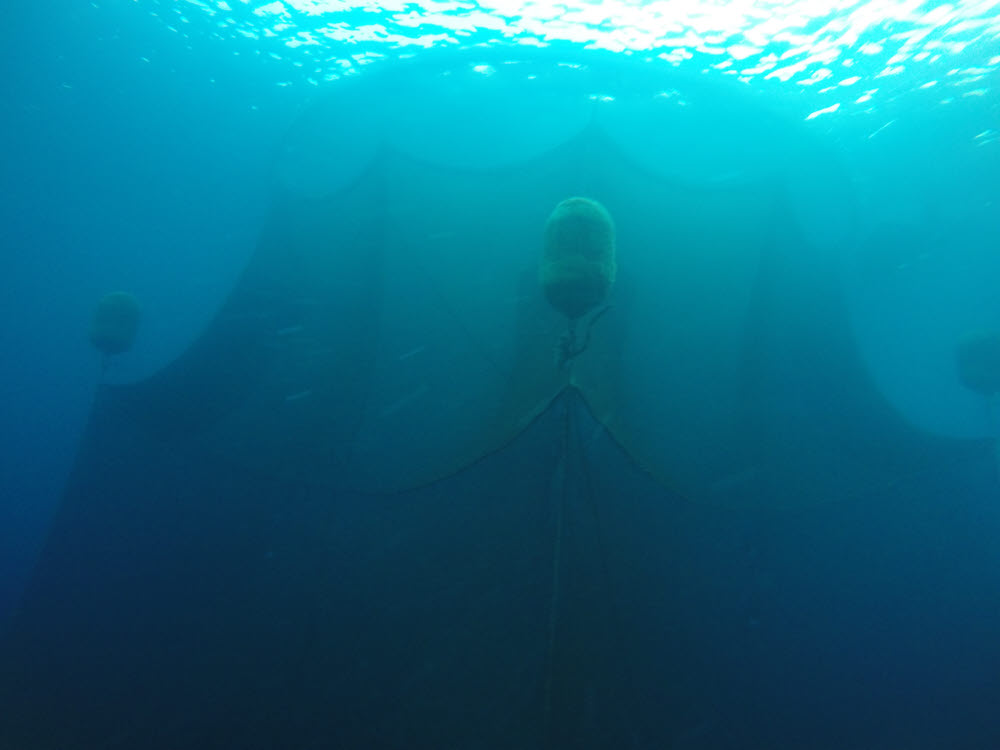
pixel 834 56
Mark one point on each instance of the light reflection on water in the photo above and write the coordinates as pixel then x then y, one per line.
pixel 832 45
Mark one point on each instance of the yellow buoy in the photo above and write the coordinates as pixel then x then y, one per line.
pixel 578 260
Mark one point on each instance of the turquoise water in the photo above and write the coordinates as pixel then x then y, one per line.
pixel 146 141
pixel 852 53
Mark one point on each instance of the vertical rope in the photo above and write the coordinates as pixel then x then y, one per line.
pixel 616 623
pixel 561 488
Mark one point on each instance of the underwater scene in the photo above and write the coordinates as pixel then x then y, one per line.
pixel 501 375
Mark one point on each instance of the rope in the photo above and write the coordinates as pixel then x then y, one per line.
pixel 562 489
pixel 568 349
pixel 615 620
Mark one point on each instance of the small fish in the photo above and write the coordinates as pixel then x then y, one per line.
pixel 412 353
pixel 287 331
pixel 987 136
pixel 403 402
pixel 875 133
pixel 298 396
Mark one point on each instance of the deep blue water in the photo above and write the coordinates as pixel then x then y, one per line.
pixel 151 177
pixel 117 174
